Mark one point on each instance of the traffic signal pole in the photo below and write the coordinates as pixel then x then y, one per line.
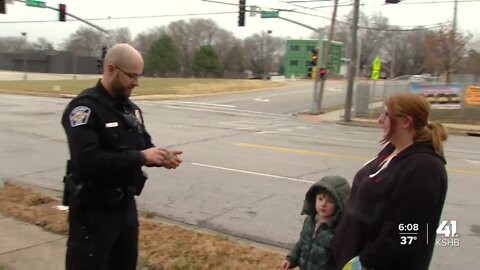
pixel 352 63
pixel 316 108
pixel 73 16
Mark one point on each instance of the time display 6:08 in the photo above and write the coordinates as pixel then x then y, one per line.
pixel 408 227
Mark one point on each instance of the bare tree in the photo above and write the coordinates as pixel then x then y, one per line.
pixel 85 42
pixel 143 41
pixel 11 44
pixel 233 59
pixel 263 52
pixel 195 33
pixel 42 44
pixel 120 35
pixel 407 52
pixel 446 50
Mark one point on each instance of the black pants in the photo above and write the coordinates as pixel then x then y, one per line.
pixel 102 239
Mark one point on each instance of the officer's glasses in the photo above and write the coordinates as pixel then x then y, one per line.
pixel 132 76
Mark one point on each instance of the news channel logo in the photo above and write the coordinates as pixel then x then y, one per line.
pixel 447 235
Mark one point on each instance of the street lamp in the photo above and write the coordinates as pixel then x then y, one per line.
pixel 25 45
pixel 265 61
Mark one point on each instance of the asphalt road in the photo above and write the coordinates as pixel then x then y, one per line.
pixel 247 162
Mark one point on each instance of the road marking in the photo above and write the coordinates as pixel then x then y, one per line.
pixel 261 99
pixel 198 103
pixel 302 151
pixel 234 112
pixel 335 155
pixel 463 170
pixel 335 89
pixel 254 173
pixel 476 162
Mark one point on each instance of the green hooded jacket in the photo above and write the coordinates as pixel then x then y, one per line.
pixel 312 250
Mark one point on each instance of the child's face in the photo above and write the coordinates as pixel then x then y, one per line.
pixel 325 205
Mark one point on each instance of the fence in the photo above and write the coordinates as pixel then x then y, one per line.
pixel 448 101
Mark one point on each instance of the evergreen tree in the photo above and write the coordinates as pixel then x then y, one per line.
pixel 162 57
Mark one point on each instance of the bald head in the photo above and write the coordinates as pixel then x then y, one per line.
pixel 124 56
pixel 122 67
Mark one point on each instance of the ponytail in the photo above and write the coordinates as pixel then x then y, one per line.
pixel 434 132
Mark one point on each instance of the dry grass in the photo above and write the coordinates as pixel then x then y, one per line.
pixel 161 246
pixel 148 86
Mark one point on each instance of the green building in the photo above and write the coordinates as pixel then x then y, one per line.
pixel 299 52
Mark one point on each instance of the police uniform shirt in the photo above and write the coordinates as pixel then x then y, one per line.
pixel 105 137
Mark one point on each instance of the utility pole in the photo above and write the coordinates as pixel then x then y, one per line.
pixel 394 57
pixel 24 34
pixel 323 63
pixel 352 64
pixel 452 41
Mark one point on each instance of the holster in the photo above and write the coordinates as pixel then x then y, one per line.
pixel 68 185
pixel 139 182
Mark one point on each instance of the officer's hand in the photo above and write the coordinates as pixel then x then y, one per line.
pixel 154 156
pixel 172 160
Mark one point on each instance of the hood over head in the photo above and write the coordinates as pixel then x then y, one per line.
pixel 335 185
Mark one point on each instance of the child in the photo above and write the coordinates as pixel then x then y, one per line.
pixel 323 205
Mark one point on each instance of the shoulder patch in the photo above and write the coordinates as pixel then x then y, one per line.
pixel 79 116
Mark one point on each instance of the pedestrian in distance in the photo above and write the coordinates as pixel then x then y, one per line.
pixel 108 145
pixel 323 206
pixel 399 193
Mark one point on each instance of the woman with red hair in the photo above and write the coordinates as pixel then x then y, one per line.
pixel 401 190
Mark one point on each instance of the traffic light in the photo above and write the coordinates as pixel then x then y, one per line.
pixel 314 57
pixel 323 73
pixel 392 1
pixel 104 51
pixel 62 12
pixel 241 12
pixel 3 7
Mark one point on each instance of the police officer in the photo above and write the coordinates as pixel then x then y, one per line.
pixel 108 146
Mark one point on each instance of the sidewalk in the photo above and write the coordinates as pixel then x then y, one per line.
pixel 337 117
pixel 25 246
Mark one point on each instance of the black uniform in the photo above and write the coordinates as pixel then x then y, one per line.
pixel 105 137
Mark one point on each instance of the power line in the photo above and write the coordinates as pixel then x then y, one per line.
pixel 412 28
pixel 133 17
pixel 436 2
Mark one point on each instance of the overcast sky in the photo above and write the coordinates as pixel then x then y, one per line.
pixel 406 14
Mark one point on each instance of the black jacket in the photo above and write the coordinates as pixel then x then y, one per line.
pixel 105 137
pixel 385 198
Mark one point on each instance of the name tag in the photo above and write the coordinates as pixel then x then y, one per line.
pixel 112 124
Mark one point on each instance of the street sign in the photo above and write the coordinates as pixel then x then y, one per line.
pixel 376 67
pixel 376 63
pixel 34 3
pixel 269 14
pixel 472 95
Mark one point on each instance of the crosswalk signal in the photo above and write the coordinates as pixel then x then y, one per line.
pixel 3 7
pixel 241 13
pixel 62 12
pixel 323 73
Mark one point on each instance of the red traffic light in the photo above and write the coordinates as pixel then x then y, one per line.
pixel 323 73
pixel 3 7
pixel 62 12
